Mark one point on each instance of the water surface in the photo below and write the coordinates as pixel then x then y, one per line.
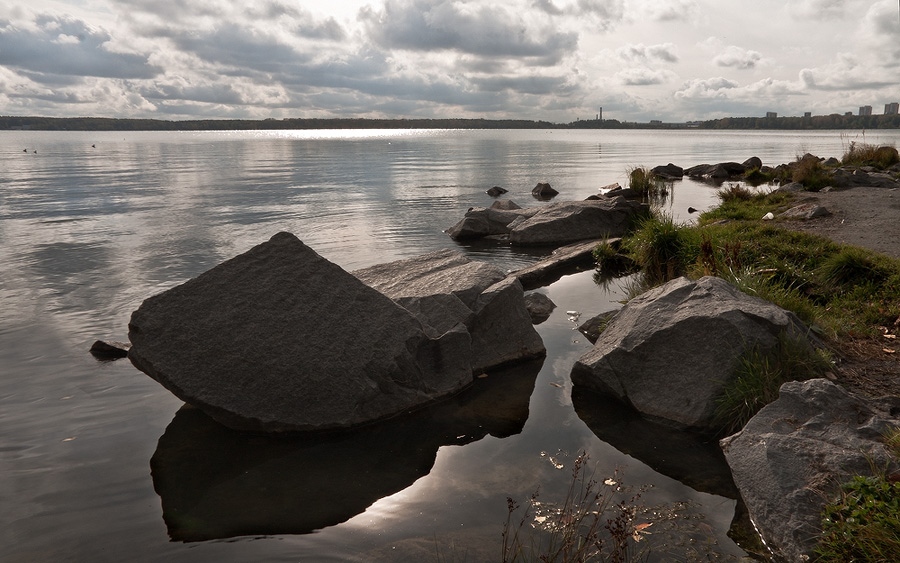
pixel 93 223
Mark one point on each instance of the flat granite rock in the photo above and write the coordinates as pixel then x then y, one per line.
pixel 281 339
pixel 446 289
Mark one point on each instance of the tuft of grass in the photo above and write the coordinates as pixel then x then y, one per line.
pixel 808 170
pixel 651 187
pixel 662 248
pixel 851 266
pixel 892 441
pixel 865 154
pixel 863 525
pixel 761 373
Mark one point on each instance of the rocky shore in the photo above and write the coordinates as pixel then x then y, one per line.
pixel 254 343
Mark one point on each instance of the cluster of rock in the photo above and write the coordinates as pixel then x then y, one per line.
pixel 669 354
pixel 838 176
pixel 844 176
pixel 280 339
pixel 720 171
pixel 553 224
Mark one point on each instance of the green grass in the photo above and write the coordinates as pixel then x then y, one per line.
pixel 737 203
pixel 863 525
pixel 661 248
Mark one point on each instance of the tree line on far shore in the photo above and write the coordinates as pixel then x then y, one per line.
pixel 833 121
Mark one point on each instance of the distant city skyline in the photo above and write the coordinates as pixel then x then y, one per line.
pixel 554 60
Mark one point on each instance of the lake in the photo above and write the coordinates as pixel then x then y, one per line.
pixel 93 223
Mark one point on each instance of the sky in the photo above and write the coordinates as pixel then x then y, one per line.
pixel 554 60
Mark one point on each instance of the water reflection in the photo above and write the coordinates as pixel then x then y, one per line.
pixel 696 461
pixel 218 483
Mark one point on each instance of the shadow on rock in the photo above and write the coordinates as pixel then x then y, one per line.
pixel 215 482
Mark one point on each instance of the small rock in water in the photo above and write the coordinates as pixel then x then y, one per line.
pixel 109 350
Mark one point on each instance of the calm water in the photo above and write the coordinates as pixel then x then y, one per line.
pixel 87 232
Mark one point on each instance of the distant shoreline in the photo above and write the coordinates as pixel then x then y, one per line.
pixel 833 121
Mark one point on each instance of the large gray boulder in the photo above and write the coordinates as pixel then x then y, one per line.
pixel 789 459
pixel 571 221
pixel 280 339
pixel 670 352
pixel 445 288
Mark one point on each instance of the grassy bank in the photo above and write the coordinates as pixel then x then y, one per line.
pixel 848 296
pixel 839 291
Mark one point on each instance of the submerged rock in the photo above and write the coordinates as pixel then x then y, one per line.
pixel 281 339
pixel 109 349
pixel 790 459
pixel 544 191
pixel 539 307
pixel 670 352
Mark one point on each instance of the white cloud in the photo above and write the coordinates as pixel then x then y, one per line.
pixel 818 9
pixel 706 88
pixel 737 57
pixel 666 52
pixel 642 76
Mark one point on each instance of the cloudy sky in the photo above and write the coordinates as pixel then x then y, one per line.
pixel 558 60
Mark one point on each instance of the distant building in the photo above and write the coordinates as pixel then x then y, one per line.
pixel 865 110
pixel 848 113
pixel 892 108
pixel 807 114
pixel 655 122
pixel 771 114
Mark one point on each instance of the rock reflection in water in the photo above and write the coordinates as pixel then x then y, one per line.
pixel 696 461
pixel 218 483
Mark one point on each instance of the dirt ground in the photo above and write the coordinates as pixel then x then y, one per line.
pixel 869 218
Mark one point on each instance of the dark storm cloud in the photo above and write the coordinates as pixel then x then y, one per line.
pixel 303 22
pixel 210 94
pixel 487 31
pixel 548 7
pixel 536 85
pixel 235 45
pixel 666 52
pixel 67 46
